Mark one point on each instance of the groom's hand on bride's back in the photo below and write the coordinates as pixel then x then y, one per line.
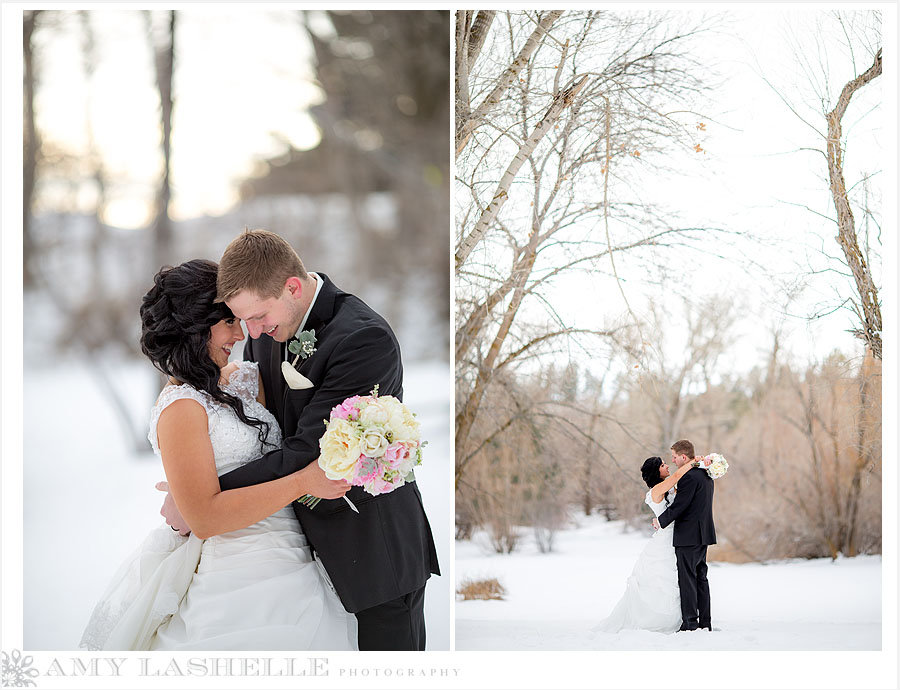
pixel 171 513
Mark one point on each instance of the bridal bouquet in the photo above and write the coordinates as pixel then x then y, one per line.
pixel 371 441
pixel 718 465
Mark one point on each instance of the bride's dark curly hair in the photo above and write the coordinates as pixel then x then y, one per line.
pixel 176 316
pixel 650 472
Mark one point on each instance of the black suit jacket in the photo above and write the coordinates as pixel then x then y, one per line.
pixel 387 550
pixel 691 511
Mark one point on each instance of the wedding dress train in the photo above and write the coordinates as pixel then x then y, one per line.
pixel 256 588
pixel 651 600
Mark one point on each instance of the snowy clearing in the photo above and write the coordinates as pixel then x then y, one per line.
pixel 553 600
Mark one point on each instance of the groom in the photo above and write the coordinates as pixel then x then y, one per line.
pixel 379 559
pixel 691 511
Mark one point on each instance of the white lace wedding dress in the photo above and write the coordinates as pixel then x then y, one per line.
pixel 256 588
pixel 651 600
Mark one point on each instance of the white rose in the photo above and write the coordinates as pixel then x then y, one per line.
pixel 391 404
pixel 717 469
pixel 373 443
pixel 374 413
pixel 404 426
pixel 340 449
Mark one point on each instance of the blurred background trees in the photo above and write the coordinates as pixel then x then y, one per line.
pixel 31 145
pixel 383 123
pixel 353 170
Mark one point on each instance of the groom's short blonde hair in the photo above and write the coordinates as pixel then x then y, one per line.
pixel 259 261
pixel 684 447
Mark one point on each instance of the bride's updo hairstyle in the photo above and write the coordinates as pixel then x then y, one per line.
pixel 650 471
pixel 177 314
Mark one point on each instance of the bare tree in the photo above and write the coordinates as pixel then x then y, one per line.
pixel 838 417
pixel 162 41
pixel 869 309
pixel 32 143
pixel 806 476
pixel 804 444
pixel 670 381
pixel 471 31
pixel 94 160
pixel 600 395
pixel 854 40
pixel 560 102
pixel 569 104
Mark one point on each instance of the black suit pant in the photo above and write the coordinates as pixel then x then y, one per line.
pixel 398 624
pixel 694 587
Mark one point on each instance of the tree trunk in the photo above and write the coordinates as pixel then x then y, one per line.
pixel 867 381
pixel 461 72
pixel 164 54
pixel 856 260
pixel 466 417
pixel 98 238
pixel 561 101
pixel 480 27
pixel 31 146
pixel 466 127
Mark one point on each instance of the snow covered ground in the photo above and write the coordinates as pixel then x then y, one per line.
pixel 553 600
pixel 89 500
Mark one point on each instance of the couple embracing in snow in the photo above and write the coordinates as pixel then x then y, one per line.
pixel 668 589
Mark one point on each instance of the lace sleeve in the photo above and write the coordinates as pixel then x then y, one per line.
pixel 169 395
pixel 244 382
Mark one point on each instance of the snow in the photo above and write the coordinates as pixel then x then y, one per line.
pixel 89 499
pixel 553 600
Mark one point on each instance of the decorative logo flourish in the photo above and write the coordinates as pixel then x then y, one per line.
pixel 17 671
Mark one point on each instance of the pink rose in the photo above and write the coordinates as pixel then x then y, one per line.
pixel 379 485
pixel 364 471
pixel 396 453
pixel 347 409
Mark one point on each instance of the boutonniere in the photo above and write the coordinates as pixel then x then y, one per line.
pixel 302 347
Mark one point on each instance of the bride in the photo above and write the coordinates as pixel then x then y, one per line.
pixel 245 577
pixel 651 600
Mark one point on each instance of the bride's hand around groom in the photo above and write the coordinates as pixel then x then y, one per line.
pixel 313 481
pixel 684 469
pixel 171 513
pixel 317 484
